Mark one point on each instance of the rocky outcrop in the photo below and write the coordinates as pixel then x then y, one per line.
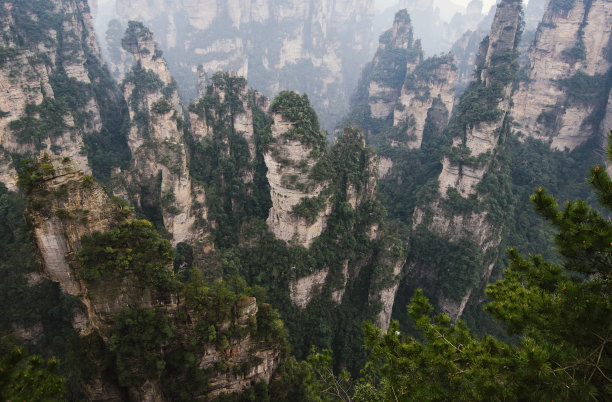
pixel 390 282
pixel 257 362
pixel 289 164
pixel 159 179
pixel 476 128
pixel 400 93
pixel 480 136
pixel 432 82
pixel 65 207
pixel 272 43
pixel 397 56
pixel 438 24
pixel 567 81
pixel 227 101
pixel 302 290
pixel 50 68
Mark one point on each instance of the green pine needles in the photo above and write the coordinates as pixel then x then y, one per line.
pixel 560 315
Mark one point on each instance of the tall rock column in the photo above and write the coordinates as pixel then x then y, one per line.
pixel 272 43
pixel 398 54
pixel 158 181
pixel 300 205
pixel 430 85
pixel 54 91
pixel 563 98
pixel 458 216
pixel 400 92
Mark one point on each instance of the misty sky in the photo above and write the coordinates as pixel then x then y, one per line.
pixel 382 4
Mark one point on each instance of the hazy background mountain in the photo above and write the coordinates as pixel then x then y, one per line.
pixel 275 45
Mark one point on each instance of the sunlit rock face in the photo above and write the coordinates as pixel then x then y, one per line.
pixel 563 98
pixel 272 43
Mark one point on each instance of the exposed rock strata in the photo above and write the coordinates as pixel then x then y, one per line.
pixel 478 139
pixel 399 90
pixel 397 56
pixel 159 173
pixel 570 44
pixel 433 80
pixel 304 289
pixel 288 159
pixel 64 206
pixel 54 57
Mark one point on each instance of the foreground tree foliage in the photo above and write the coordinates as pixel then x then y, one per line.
pixel 24 378
pixel 560 314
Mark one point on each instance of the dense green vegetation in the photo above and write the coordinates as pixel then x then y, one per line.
pixel 31 304
pixel 557 308
pixel 135 33
pixel 137 340
pixel 222 162
pixel 560 312
pixel 36 24
pixel 263 260
pixel 309 208
pixel 297 109
pixel 134 247
pixel 28 378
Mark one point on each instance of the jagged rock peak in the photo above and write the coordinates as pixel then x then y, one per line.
pixel 140 42
pixel 503 38
pixel 568 81
pixel 400 36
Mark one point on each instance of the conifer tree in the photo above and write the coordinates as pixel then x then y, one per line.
pixel 561 314
pixel 24 378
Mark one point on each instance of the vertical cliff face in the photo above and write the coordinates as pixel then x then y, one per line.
pixel 158 181
pixel 121 270
pixel 397 56
pixel 355 260
pixel 227 102
pixel 64 206
pixel 475 135
pixel 563 98
pixel 56 96
pixel 431 83
pixel 399 90
pixel 274 44
pixel 480 120
pixel 300 206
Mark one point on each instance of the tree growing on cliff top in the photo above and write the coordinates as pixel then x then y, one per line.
pixel 562 314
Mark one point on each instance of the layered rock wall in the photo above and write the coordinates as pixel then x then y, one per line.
pixel 474 148
pixel 44 62
pixel 289 163
pixel 397 56
pixel 433 80
pixel 65 206
pixel 159 175
pixel 567 79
